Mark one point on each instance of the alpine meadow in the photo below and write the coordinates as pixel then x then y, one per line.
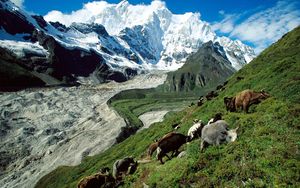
pixel 139 93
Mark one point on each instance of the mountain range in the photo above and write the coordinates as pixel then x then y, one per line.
pixel 115 42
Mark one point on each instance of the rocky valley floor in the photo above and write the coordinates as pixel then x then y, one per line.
pixel 42 129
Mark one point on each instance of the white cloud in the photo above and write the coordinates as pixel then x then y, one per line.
pixel 263 27
pixel 114 17
pixel 19 3
pixel 227 24
pixel 83 15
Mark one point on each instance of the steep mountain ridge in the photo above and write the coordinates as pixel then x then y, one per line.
pixel 202 72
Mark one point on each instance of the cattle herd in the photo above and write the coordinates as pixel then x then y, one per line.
pixel 215 132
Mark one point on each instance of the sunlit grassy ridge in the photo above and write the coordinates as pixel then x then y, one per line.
pixel 266 153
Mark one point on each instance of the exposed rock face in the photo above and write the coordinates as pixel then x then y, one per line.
pixel 14 22
pixel 40 21
pixel 89 28
pixel 203 70
pixel 14 75
pixel 68 62
pixel 60 27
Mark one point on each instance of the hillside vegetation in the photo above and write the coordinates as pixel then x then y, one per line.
pixel 130 104
pixel 266 153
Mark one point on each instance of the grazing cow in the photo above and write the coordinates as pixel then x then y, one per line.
pixel 195 130
pixel 97 180
pixel 151 149
pixel 124 166
pixel 211 95
pixel 248 97
pixel 239 78
pixel 225 83
pixel 200 101
pixel 170 142
pixel 230 103
pixel 218 116
pixel 217 133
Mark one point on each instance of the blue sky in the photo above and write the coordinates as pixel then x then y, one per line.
pixel 257 23
pixel 209 9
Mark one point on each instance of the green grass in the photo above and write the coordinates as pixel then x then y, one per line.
pixel 266 153
pixel 131 104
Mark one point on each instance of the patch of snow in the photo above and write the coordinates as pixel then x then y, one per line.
pixel 21 48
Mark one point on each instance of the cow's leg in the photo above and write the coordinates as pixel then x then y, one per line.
pixel 161 159
pixel 245 106
pixel 203 145
pixel 236 107
pixel 160 154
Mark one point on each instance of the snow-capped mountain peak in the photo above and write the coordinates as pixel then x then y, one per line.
pixel 171 37
pixel 124 38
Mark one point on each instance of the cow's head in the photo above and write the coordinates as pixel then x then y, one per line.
pixel 232 135
pixel 264 94
pixel 229 103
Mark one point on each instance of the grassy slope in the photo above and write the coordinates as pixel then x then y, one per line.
pixel 266 153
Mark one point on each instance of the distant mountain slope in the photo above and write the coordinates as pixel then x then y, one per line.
pixel 202 72
pixel 264 155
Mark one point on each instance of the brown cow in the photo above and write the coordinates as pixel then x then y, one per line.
pixel 248 97
pixel 170 142
pixel 151 149
pixel 97 180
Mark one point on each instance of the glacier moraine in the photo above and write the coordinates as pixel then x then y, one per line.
pixel 42 129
